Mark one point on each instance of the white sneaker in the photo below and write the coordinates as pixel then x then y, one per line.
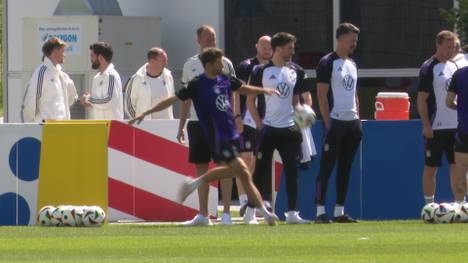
pixel 198 220
pixel 267 205
pixel 226 219
pixel 271 219
pixel 293 217
pixel 249 216
pixel 185 190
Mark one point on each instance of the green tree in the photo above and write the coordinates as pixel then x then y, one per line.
pixel 457 18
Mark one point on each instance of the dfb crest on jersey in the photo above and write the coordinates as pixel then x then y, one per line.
pixel 292 76
pixel 348 82
pixel 447 83
pixel 216 89
pixel 222 103
pixel 283 89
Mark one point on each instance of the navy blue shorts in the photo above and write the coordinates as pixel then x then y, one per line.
pixel 225 151
pixel 199 150
pixel 442 142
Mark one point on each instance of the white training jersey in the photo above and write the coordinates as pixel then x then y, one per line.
pixel 106 96
pixel 279 110
pixel 461 60
pixel 434 78
pixel 341 75
pixel 193 67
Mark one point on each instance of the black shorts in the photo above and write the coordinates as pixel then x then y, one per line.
pixel 247 139
pixel 225 151
pixel 442 142
pixel 199 149
pixel 461 142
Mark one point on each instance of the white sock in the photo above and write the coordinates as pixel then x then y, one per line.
pixel 429 199
pixel 197 182
pixel 243 199
pixel 339 210
pixel 320 210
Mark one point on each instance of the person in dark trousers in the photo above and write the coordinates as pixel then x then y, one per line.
pixel 339 106
pixel 279 131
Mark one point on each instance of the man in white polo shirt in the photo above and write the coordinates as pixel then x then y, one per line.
pixel 151 83
pixel 439 121
pixel 339 106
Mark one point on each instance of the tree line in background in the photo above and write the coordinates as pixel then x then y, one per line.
pixel 458 19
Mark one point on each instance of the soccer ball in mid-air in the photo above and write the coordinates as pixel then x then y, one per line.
pixel 446 213
pixel 428 212
pixel 304 116
pixel 93 216
pixel 44 216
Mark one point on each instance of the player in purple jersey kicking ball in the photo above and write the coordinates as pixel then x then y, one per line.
pixel 211 92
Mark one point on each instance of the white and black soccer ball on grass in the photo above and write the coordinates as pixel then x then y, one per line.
pixel 71 216
pixel 44 216
pixel 304 116
pixel 462 216
pixel 428 212
pixel 446 213
pixel 67 215
pixel 93 216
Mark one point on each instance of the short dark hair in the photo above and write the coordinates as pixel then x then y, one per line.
pixel 153 53
pixel 203 28
pixel 445 35
pixel 210 55
pixel 281 39
pixel 51 44
pixel 103 49
pixel 346 28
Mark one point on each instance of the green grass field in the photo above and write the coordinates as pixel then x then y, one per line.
pixel 395 241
